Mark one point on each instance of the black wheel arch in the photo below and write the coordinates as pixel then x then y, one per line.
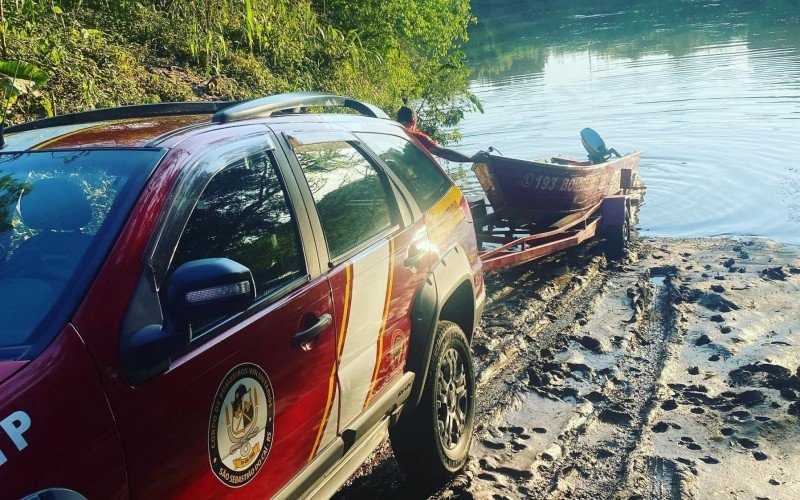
pixel 447 294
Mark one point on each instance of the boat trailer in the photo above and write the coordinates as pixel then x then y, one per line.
pixel 513 246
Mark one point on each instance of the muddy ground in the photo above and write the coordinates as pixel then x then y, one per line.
pixel 671 375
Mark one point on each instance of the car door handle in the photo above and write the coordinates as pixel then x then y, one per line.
pixel 309 334
pixel 414 257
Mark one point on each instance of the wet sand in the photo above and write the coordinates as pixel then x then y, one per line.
pixel 674 374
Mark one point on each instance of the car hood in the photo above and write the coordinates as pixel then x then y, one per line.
pixel 8 368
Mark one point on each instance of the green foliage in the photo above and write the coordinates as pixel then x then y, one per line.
pixel 18 78
pixel 417 48
pixel 109 52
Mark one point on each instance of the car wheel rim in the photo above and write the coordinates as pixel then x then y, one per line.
pixel 451 399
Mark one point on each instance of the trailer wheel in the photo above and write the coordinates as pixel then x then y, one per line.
pixel 433 441
pixel 617 238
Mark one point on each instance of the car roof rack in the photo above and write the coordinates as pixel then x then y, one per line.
pixel 223 111
pixel 294 102
pixel 125 112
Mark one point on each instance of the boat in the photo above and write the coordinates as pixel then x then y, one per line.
pixel 554 190
pixel 539 207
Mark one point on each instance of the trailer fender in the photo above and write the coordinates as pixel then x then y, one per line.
pixel 613 210
pixel 450 278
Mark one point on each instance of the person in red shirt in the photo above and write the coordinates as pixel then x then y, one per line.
pixel 408 118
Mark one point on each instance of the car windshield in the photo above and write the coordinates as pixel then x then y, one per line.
pixel 60 211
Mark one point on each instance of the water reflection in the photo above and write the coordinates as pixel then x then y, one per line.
pixel 516 36
pixel 710 92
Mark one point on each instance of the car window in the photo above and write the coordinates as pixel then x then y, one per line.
pixel 422 177
pixel 351 200
pixel 244 215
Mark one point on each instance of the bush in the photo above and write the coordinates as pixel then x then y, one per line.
pixel 101 53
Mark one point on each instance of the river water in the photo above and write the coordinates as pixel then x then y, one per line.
pixel 709 91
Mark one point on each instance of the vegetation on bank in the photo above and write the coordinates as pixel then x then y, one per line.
pixel 100 53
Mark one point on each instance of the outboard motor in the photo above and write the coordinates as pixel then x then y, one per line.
pixel 596 147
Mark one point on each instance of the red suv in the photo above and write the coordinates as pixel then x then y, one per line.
pixel 207 299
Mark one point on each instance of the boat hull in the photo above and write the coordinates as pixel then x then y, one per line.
pixel 549 189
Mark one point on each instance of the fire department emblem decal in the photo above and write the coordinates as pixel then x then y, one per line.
pixel 242 422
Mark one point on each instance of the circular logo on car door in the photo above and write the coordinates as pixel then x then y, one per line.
pixel 241 427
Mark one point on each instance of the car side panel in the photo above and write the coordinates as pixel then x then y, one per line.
pixel 70 441
pixel 364 281
pixel 446 279
pixel 373 294
pixel 451 232
pixel 405 280
pixel 300 391
pixel 449 225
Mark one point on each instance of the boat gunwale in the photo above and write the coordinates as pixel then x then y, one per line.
pixel 571 169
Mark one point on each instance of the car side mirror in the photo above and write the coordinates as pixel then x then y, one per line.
pixel 198 291
pixel 205 289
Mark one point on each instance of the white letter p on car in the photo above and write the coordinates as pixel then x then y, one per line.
pixel 15 425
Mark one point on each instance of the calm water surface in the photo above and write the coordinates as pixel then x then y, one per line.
pixel 710 91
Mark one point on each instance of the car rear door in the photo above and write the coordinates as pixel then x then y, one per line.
pixel 376 247
pixel 239 410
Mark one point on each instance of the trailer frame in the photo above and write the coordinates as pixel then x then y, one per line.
pixel 519 245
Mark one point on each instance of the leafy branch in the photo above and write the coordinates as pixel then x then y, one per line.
pixel 18 78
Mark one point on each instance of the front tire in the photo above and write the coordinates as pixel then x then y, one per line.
pixel 432 442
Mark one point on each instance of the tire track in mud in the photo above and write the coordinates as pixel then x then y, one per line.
pixel 597 406
pixel 596 460
pixel 604 465
pixel 645 476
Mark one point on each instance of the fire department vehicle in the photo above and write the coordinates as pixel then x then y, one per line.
pixel 214 299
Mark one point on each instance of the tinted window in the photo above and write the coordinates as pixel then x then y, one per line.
pixel 60 211
pixel 422 177
pixel 351 200
pixel 243 215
